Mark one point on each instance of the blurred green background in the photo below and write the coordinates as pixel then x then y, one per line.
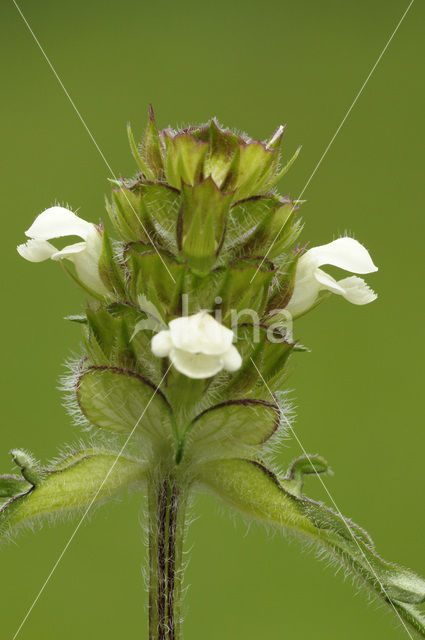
pixel 359 392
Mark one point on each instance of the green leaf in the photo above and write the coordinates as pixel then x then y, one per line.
pixel 30 467
pixel 72 484
pixel 305 465
pixel 11 485
pixel 255 491
pixel 201 224
pixel 119 401
pixel 228 427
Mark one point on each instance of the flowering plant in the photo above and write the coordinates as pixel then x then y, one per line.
pixel 186 347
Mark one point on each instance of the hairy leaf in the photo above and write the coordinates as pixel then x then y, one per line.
pixel 82 478
pixel 120 401
pixel 255 491
pixel 230 426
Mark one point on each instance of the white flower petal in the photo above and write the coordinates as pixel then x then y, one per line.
pixel 36 250
pixel 198 346
pixel 200 333
pixel 345 253
pixel 57 222
pixel 85 256
pixel 357 291
pixel 161 344
pixel 304 295
pixel 70 251
pixel 327 282
pixel 231 360
pixel 195 365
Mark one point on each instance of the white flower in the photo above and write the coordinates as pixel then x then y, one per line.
pixel 345 253
pixel 58 222
pixel 198 346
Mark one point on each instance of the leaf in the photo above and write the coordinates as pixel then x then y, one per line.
pixel 232 426
pixel 119 400
pixel 10 485
pixel 73 484
pixel 30 467
pixel 305 465
pixel 255 491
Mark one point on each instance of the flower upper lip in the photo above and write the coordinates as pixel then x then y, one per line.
pixel 58 222
pixel 345 253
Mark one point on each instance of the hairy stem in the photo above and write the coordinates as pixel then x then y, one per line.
pixel 166 532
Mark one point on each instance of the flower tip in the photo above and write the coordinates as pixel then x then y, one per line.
pixel 36 250
pixel 161 344
pixel 232 360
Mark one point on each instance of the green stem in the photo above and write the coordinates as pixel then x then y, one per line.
pixel 166 532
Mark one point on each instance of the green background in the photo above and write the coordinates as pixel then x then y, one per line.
pixel 360 390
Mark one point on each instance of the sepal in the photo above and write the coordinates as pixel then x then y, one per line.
pixel 201 225
pixel 156 275
pixel 129 216
pixel 185 158
pixel 152 147
pixel 110 270
pixel 242 298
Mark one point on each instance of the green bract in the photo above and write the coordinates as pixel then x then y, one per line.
pixel 199 228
